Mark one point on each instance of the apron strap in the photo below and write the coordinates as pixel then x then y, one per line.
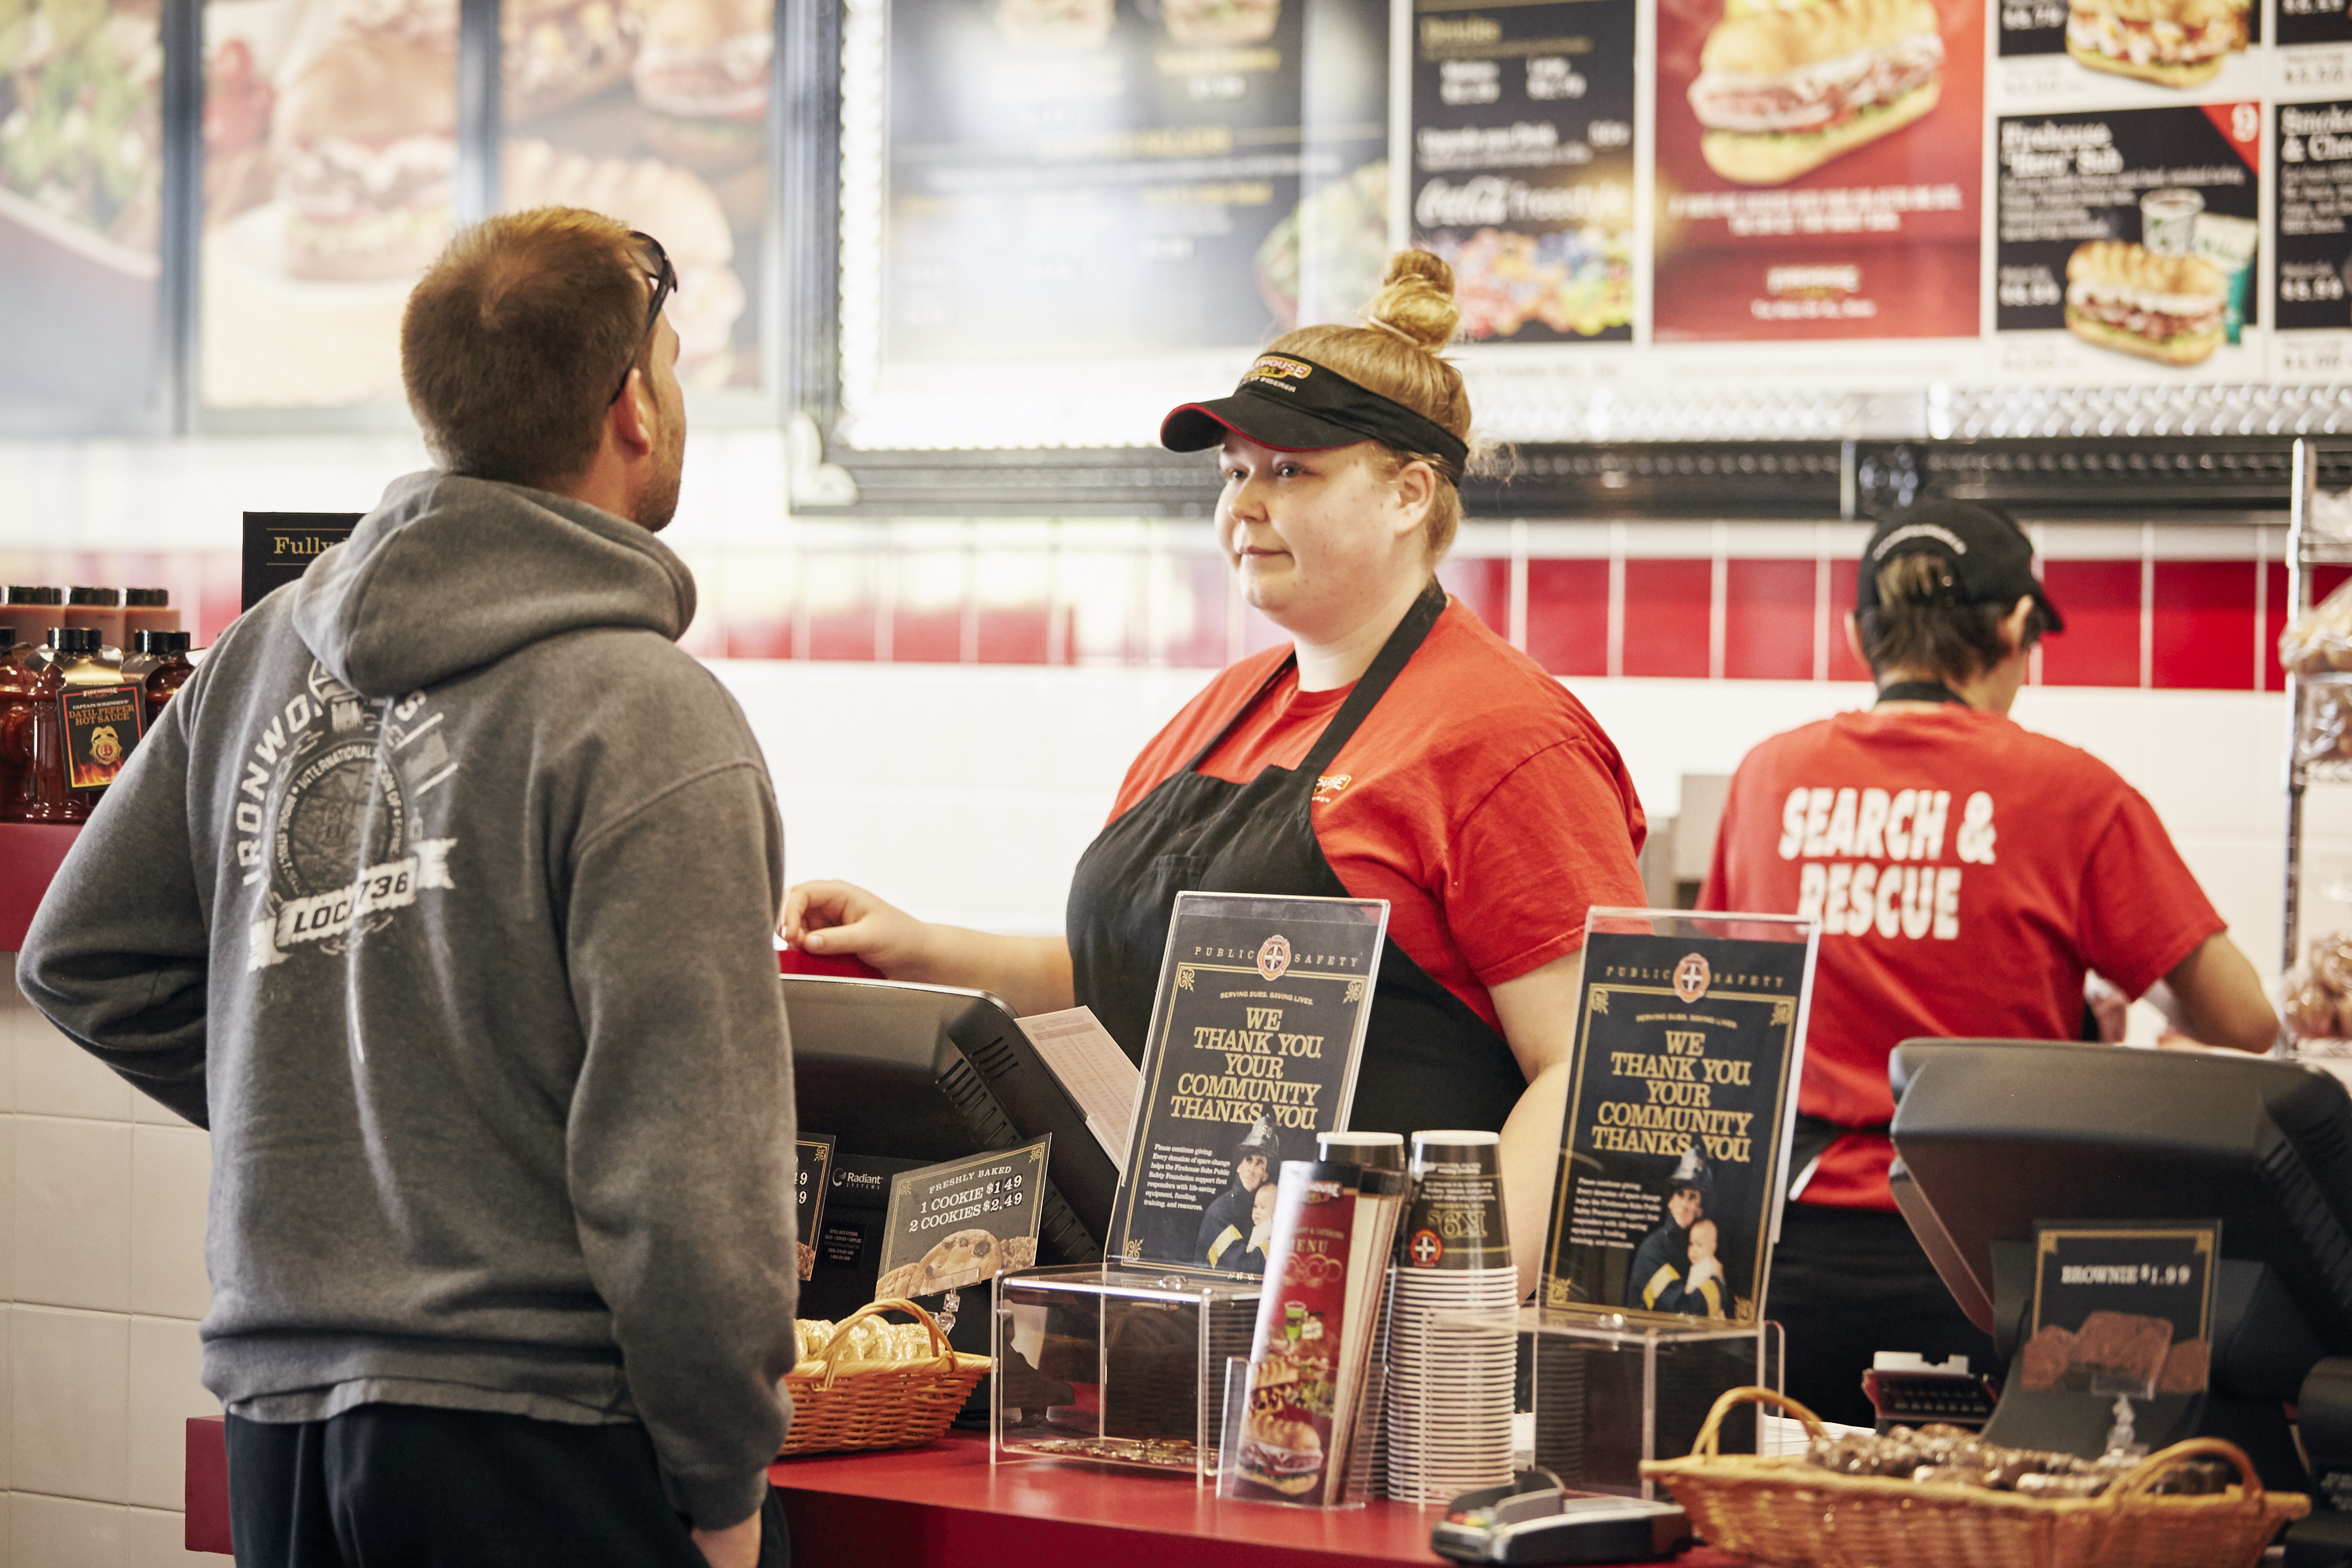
pixel 1402 644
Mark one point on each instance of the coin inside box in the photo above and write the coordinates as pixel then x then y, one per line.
pixel 1111 1365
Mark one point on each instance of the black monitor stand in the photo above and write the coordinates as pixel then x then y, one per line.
pixel 2262 1348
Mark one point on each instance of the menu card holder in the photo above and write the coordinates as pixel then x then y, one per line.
pixel 1117 1366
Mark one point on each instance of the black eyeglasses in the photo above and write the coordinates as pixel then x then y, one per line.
pixel 655 262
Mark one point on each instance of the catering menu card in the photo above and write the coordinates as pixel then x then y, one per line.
pixel 1682 1099
pixel 1333 1225
pixel 812 1179
pixel 962 1222
pixel 2121 1308
pixel 1255 1033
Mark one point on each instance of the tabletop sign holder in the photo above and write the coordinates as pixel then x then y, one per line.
pixel 1682 1108
pixel 1257 1029
pixel 812 1180
pixel 281 545
pixel 960 1223
pixel 2117 1334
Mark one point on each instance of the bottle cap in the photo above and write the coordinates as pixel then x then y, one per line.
pixel 94 596
pixel 20 593
pixel 7 636
pixel 161 642
pixel 151 598
pixel 74 639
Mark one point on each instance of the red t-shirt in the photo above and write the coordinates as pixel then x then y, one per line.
pixel 1966 872
pixel 1478 797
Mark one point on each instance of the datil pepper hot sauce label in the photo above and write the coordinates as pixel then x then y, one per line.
pixel 102 726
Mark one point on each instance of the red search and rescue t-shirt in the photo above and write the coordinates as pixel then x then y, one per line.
pixel 1478 797
pixel 1966 872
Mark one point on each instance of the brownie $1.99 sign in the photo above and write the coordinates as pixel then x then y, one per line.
pixel 1681 1088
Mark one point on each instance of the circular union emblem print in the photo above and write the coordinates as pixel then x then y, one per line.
pixel 1692 978
pixel 1274 957
pixel 1425 1248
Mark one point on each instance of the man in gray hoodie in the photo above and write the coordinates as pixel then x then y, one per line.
pixel 442 894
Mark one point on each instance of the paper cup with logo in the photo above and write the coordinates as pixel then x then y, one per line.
pixel 1372 1151
pixel 2167 220
pixel 1453 1220
pixel 2229 243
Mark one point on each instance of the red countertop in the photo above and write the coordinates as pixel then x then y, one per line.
pixel 944 1506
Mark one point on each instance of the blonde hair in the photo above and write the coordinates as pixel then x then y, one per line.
pixel 1395 353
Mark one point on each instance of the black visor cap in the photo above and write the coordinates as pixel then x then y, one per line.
pixel 1293 405
pixel 1991 557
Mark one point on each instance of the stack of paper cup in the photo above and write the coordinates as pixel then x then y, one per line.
pixel 1452 1340
pixel 1368 1466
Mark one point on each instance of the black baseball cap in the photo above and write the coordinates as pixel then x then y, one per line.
pixel 1293 404
pixel 1990 559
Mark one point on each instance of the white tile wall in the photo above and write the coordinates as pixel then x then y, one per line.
pixel 102 1218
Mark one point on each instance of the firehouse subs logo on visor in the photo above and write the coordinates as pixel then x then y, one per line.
pixel 1273 369
pixel 1871 859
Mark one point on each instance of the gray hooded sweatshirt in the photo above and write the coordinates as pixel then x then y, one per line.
pixel 442 894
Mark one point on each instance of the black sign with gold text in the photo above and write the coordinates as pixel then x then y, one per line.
pixel 281 545
pixel 812 1179
pixel 961 1223
pixel 1686 1059
pixel 1255 1034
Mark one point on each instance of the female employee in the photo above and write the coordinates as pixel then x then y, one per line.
pixel 1396 749
pixel 1966 873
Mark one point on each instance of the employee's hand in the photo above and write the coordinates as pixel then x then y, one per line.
pixel 841 919
pixel 737 1546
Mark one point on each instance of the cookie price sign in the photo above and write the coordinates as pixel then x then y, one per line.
pixel 959 1224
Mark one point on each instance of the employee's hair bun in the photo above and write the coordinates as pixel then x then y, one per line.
pixel 1416 302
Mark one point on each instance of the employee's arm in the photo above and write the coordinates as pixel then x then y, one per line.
pixel 1539 1016
pixel 838 920
pixel 2220 997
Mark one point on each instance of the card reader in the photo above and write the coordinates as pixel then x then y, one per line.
pixel 1534 1521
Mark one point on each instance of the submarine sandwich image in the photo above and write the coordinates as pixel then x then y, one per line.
pixel 2128 298
pixel 2173 43
pixel 1783 91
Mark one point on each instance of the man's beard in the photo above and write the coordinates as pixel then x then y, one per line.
pixel 658 504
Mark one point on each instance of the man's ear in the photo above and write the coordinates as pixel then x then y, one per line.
pixel 2012 624
pixel 631 417
pixel 1854 640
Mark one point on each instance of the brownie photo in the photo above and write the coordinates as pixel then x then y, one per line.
pixel 2122 1347
pixel 2044 1361
pixel 2188 1366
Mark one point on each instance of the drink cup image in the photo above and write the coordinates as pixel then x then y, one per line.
pixel 2167 220
pixel 2229 243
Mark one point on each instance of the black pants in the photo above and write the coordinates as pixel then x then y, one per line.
pixel 1847 1283
pixel 404 1485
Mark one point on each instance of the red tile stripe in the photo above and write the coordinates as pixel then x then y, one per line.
pixel 2190 625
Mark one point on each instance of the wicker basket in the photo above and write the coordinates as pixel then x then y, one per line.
pixel 1792 1514
pixel 841 1404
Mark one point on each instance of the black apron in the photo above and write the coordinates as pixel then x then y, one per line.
pixel 1429 1061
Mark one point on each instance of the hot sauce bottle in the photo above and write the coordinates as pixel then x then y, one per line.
pixel 101 609
pixel 160 667
pixel 86 719
pixel 146 610
pixel 16 724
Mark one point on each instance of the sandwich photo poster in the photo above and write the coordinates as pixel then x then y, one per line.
pixel 82 183
pixel 331 160
pixel 1522 135
pixel 656 112
pixel 1820 170
pixel 2074 54
pixel 2128 246
pixel 2312 335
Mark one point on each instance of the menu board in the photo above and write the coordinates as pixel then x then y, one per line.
pixel 2130 236
pixel 655 113
pixel 1818 169
pixel 82 158
pixel 331 163
pixel 2313 256
pixel 1523 163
